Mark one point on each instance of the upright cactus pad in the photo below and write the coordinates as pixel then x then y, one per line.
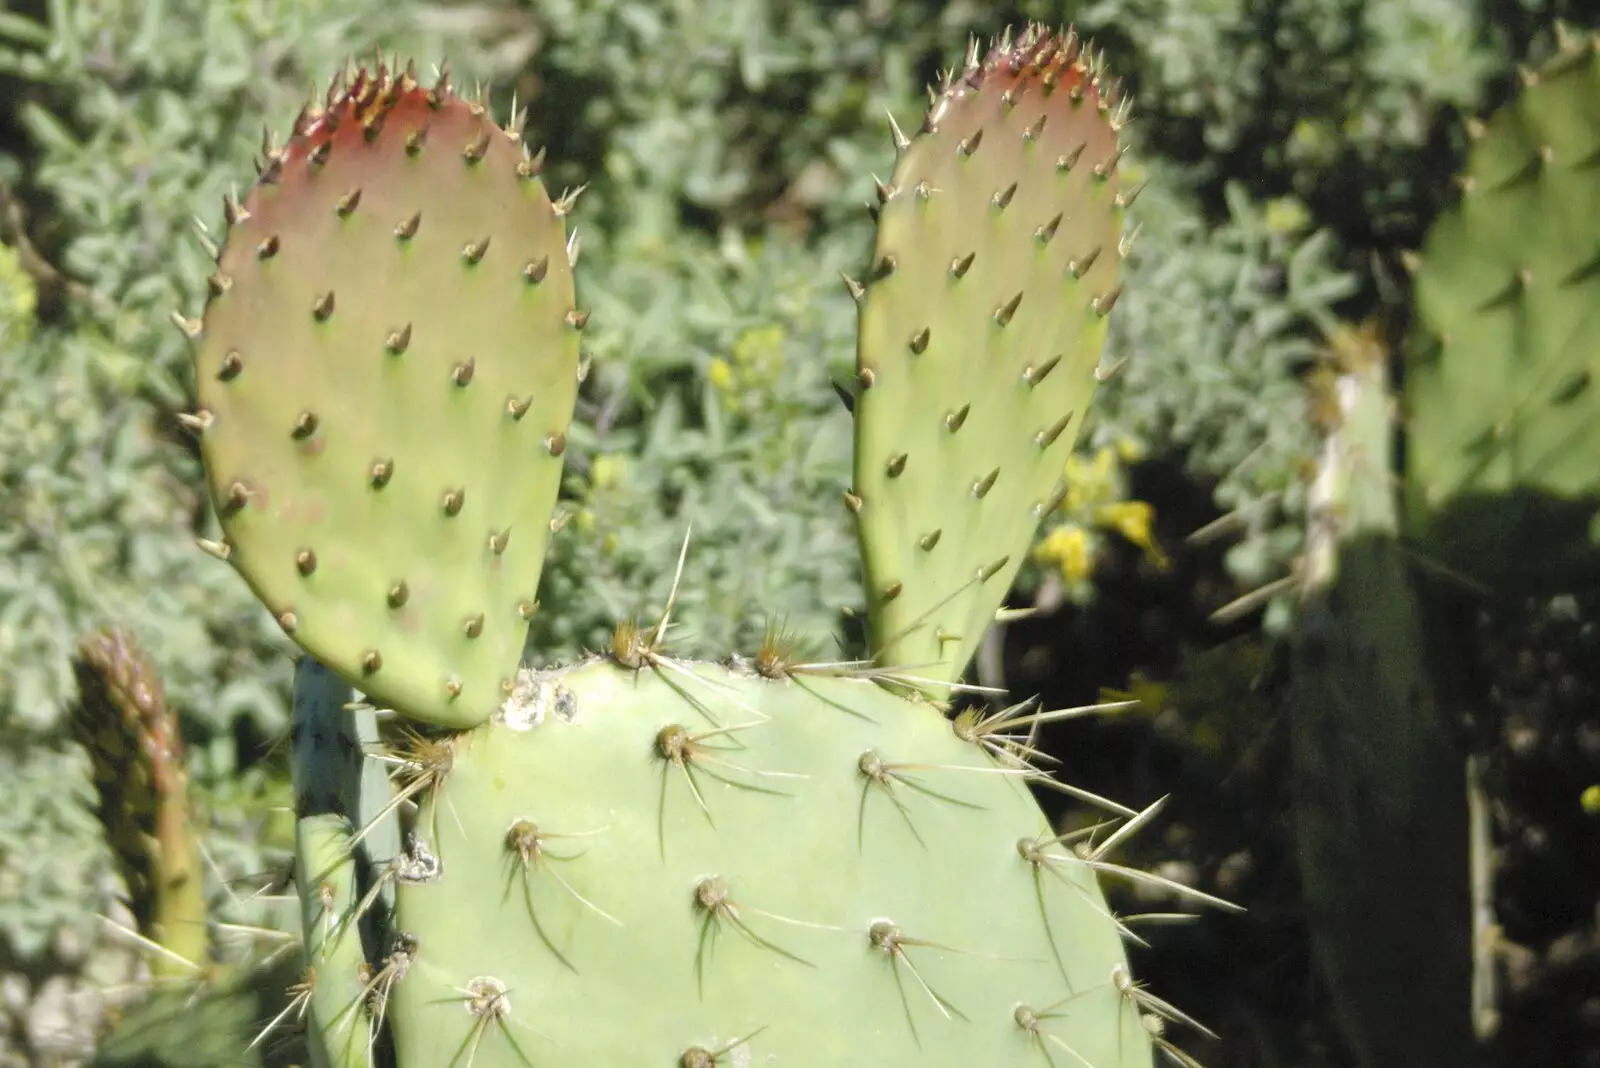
pixel 1501 388
pixel 981 325
pixel 386 370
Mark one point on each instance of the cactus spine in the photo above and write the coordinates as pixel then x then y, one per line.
pixel 637 859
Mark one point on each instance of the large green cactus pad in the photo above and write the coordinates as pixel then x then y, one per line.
pixel 386 369
pixel 644 868
pixel 981 326
pixel 1503 404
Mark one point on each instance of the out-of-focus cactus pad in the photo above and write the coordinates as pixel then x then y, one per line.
pixel 135 750
pixel 1502 396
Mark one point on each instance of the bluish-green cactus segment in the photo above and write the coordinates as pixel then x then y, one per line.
pixel 641 868
pixel 341 1029
pixel 1502 386
pixel 981 328
pixel 386 370
pixel 326 742
pixel 336 765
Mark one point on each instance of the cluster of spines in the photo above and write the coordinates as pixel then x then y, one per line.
pixel 1034 54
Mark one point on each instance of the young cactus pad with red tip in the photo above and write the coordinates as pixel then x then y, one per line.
pixel 638 860
pixel 981 327
pixel 386 369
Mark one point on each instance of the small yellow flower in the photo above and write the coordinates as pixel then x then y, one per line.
pixel 1130 451
pixel 720 375
pixel 608 471
pixel 1590 800
pixel 1286 215
pixel 1066 548
pixel 609 543
pixel 1133 520
pixel 585 521
pixel 1153 697
pixel 1090 480
pixel 760 348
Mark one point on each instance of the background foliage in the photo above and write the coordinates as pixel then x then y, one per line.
pixel 1292 147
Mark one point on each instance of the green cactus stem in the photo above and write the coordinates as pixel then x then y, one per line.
pixel 136 752
pixel 386 369
pixel 347 837
pixel 1379 783
pixel 982 320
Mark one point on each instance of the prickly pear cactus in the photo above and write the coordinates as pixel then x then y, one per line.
pixel 982 321
pixel 1501 389
pixel 638 859
pixel 385 371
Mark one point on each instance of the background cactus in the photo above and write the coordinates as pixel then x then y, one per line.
pixel 205 1007
pixel 1497 476
pixel 1379 784
pixel 1500 384
pixel 644 857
